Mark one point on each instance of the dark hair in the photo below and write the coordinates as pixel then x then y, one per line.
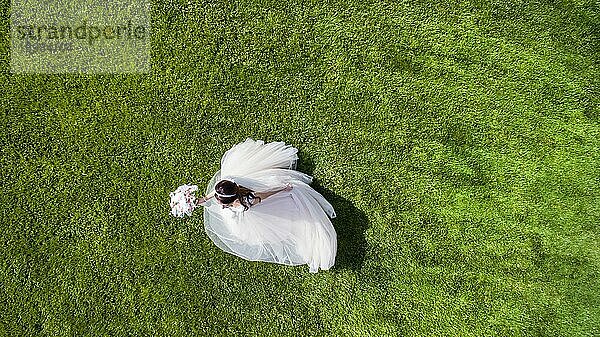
pixel 240 193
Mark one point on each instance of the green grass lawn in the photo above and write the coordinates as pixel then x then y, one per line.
pixel 459 143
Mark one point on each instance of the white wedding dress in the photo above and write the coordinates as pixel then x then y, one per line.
pixel 289 227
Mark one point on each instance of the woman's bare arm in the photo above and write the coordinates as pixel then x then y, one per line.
pixel 204 199
pixel 264 195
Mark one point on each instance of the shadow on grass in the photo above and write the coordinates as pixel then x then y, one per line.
pixel 350 223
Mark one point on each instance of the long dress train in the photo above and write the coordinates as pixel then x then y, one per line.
pixel 289 227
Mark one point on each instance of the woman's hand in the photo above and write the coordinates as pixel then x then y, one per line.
pixel 288 187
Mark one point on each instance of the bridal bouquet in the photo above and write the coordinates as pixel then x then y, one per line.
pixel 183 201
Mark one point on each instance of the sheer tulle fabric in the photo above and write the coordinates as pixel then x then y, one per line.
pixel 289 227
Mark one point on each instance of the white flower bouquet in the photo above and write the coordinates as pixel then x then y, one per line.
pixel 183 201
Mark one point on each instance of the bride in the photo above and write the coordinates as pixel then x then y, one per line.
pixel 258 207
